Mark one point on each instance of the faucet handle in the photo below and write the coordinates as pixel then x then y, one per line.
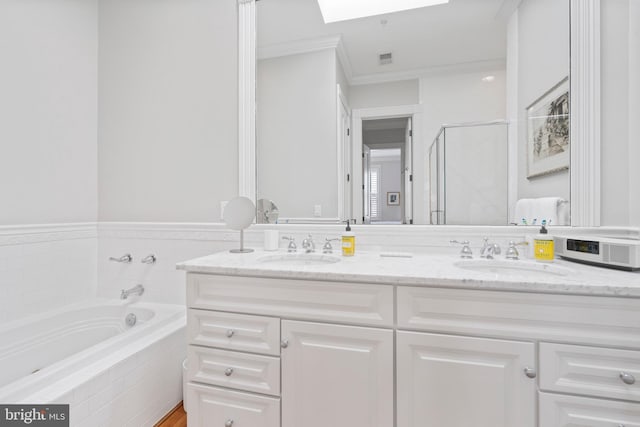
pixel 327 248
pixel 292 244
pixel 512 252
pixel 466 251
pixel 126 258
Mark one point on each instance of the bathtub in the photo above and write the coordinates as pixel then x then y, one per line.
pixel 110 373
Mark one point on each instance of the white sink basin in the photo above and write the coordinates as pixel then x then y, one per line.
pixel 514 267
pixel 290 259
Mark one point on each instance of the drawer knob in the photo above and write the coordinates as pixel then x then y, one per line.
pixel 284 343
pixel 627 378
pixel 230 333
pixel 228 372
pixel 530 372
pixel 228 423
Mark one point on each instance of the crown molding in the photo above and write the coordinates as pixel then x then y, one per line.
pixel 296 47
pixel 465 67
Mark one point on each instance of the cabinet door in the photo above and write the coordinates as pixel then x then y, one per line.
pixel 456 381
pixel 557 410
pixel 338 376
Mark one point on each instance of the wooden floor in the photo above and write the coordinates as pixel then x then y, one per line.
pixel 176 418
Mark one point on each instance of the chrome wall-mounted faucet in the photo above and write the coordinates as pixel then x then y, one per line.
pixel 136 290
pixel 126 258
pixel 149 259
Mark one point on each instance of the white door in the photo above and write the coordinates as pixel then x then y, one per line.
pixel 336 376
pixel 452 381
pixel 345 148
pixel 366 186
pixel 407 174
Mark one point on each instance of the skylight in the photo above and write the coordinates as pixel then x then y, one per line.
pixel 342 10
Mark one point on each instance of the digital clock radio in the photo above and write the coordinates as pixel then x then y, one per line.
pixel 605 251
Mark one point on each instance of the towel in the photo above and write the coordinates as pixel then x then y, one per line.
pixel 553 210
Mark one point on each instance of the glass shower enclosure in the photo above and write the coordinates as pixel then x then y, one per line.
pixel 468 174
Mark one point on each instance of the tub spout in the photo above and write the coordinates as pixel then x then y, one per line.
pixel 136 290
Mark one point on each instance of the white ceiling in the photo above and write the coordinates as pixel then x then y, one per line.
pixel 462 31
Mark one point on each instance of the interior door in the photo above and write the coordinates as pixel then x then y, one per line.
pixel 366 186
pixel 408 174
pixel 347 164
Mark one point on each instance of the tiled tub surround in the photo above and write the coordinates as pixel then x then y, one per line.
pixel 374 342
pixel 43 267
pixel 85 355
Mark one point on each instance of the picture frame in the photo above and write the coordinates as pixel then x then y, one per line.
pixel 393 198
pixel 548 132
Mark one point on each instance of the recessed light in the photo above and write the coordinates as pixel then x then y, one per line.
pixel 488 79
pixel 341 10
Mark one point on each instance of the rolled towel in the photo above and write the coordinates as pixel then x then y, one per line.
pixel 553 210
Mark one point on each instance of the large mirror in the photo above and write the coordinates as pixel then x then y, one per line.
pixel 450 114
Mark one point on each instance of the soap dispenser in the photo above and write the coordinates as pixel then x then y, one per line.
pixel 348 241
pixel 543 248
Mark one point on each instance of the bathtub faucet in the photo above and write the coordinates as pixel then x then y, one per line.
pixel 136 290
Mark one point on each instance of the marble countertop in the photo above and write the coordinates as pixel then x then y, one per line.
pixel 429 270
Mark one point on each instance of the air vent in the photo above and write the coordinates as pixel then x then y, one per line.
pixel 385 58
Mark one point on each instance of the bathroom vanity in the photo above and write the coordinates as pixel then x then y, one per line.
pixel 375 341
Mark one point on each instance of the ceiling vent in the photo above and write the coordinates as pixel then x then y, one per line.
pixel 385 58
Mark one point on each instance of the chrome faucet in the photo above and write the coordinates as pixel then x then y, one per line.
pixel 466 251
pixel 136 290
pixel 327 248
pixel 149 259
pixel 291 247
pixel 126 258
pixel 489 249
pixel 308 245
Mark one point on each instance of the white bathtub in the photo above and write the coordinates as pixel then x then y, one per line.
pixel 85 355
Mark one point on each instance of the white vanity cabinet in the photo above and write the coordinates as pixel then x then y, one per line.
pixel 297 352
pixel 250 364
pixel 456 381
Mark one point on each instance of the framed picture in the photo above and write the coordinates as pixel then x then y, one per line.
pixel 393 198
pixel 548 132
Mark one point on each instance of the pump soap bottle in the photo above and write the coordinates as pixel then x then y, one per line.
pixel 348 241
pixel 543 249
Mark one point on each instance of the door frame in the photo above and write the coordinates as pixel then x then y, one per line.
pixel 358 116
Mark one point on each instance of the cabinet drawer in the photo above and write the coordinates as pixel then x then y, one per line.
pixel 300 299
pixel 590 371
pixel 211 406
pixel 570 411
pixel 249 372
pixel 255 334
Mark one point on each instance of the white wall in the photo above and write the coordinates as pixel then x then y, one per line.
pixel 542 62
pixel 168 109
pixel 620 59
pixel 384 94
pixel 296 133
pixel 48 111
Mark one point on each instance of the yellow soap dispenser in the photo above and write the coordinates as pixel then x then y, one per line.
pixel 348 241
pixel 543 248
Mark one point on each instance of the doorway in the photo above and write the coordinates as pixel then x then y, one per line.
pixel 387 173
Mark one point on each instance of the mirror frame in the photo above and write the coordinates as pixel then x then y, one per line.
pixel 584 100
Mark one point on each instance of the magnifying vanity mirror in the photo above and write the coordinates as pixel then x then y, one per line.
pixel 447 114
